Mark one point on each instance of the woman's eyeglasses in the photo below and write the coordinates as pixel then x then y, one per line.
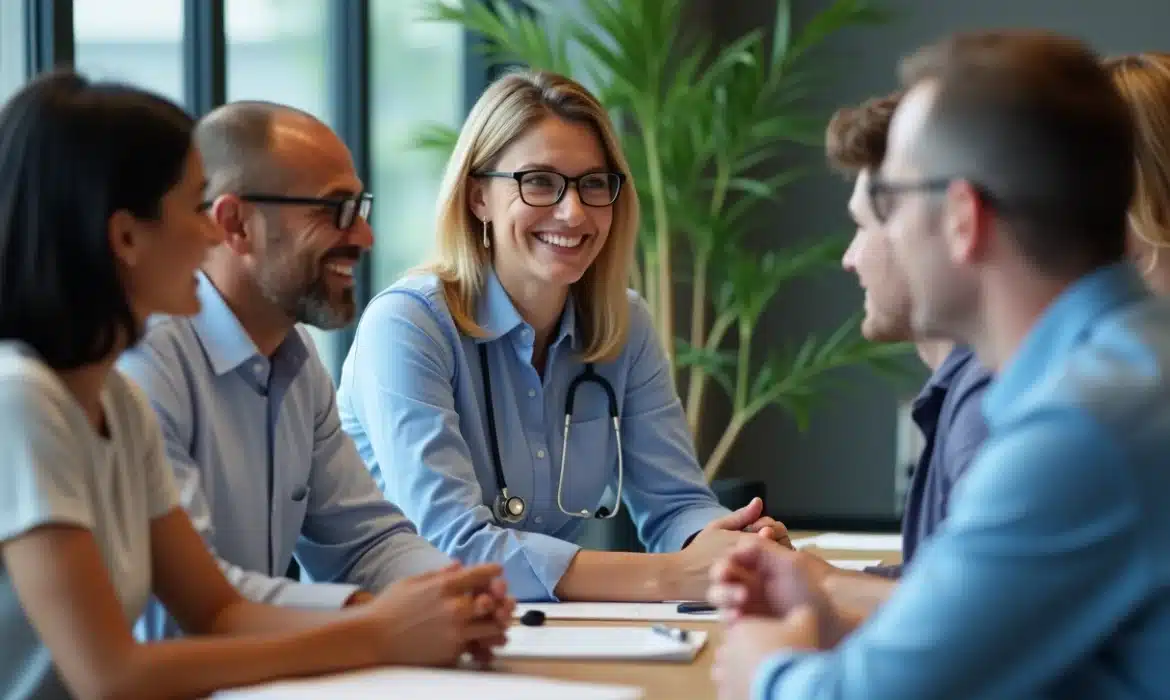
pixel 545 188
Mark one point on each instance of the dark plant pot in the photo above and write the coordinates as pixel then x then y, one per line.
pixel 736 493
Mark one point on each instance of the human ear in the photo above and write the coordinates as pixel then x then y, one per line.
pixel 965 223
pixel 477 199
pixel 125 235
pixel 233 216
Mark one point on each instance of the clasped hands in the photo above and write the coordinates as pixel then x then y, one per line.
pixel 433 619
pixel 771 599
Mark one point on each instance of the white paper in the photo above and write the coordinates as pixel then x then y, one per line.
pixel 853 541
pixel 430 684
pixel 855 564
pixel 599 644
pixel 667 612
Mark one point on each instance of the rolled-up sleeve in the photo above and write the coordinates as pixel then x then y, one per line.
pixel 1036 565
pixel 665 489
pixel 400 388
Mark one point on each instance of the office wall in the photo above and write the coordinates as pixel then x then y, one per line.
pixel 844 465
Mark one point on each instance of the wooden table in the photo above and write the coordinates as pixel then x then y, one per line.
pixel 659 680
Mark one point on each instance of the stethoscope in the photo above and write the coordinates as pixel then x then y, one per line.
pixel 511 509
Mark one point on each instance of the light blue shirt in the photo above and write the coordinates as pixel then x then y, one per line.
pixel 1051 576
pixel 411 395
pixel 263 466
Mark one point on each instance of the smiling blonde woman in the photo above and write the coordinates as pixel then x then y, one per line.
pixel 512 390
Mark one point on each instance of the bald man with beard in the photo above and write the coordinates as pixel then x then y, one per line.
pixel 247 408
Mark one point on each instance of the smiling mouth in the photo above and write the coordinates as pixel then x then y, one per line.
pixel 560 240
pixel 341 270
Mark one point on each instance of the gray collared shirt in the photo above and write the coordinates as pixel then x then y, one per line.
pixel 263 467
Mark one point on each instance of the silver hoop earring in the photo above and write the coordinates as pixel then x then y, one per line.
pixel 487 242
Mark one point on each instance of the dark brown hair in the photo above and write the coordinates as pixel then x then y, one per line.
pixel 855 139
pixel 1033 120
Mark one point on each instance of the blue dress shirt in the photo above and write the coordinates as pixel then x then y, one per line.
pixel 948 411
pixel 263 467
pixel 411 395
pixel 1051 577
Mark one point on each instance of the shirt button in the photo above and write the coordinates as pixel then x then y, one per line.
pixel 540 454
pixel 532 393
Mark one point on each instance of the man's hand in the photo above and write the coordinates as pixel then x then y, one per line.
pixel 358 598
pixel 432 619
pixel 762 578
pixel 748 642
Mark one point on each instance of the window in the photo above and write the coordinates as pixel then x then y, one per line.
pixel 277 50
pixel 12 48
pixel 417 78
pixel 147 52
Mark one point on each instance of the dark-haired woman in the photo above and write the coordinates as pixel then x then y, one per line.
pixel 101 225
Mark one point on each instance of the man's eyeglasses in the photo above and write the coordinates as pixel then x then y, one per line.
pixel 545 188
pixel 882 194
pixel 346 210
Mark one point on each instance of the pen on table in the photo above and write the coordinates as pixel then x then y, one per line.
pixel 678 634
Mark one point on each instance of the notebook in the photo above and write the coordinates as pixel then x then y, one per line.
pixel 640 643
pixel 852 541
pixel 666 612
pixel 429 684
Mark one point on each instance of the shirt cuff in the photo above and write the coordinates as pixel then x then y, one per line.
pixel 769 672
pixel 320 596
pixel 545 561
pixel 688 523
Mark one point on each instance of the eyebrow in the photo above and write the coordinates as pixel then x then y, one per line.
pixel 549 166
pixel 338 193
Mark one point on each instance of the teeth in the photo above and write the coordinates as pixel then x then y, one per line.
pixel 340 268
pixel 561 241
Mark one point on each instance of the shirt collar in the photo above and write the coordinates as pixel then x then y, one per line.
pixel 224 340
pixel 1061 326
pixel 944 376
pixel 496 314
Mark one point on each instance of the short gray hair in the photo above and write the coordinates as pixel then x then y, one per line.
pixel 235 143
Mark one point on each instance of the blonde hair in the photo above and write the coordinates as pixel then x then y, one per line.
pixel 509 108
pixel 1144 81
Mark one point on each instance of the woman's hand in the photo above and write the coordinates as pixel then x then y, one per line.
pixel 692 566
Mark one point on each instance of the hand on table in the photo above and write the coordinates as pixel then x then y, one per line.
pixel 757 523
pixel 764 579
pixel 432 619
pixel 692 564
pixel 749 641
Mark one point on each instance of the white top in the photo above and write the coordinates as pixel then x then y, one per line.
pixel 57 469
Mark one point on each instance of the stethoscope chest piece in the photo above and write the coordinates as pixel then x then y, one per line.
pixel 509 508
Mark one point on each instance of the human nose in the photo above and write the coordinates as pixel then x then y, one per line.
pixel 361 234
pixel 570 209
pixel 849 259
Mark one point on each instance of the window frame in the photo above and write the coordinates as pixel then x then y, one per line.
pixel 51 44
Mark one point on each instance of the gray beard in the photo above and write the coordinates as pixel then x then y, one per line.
pixel 308 303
